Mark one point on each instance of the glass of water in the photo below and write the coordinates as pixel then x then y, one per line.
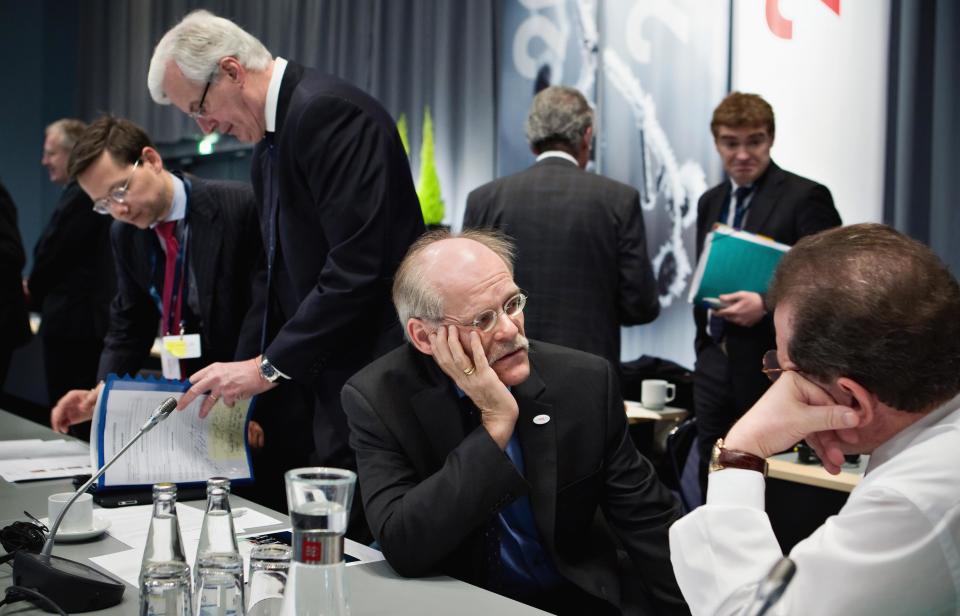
pixel 267 577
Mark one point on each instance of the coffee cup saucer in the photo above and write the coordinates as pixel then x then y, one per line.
pixel 100 526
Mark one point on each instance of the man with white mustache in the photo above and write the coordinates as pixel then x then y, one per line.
pixel 491 458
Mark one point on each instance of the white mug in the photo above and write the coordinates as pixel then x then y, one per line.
pixel 79 517
pixel 655 393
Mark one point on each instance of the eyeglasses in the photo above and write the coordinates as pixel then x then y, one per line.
pixel 201 113
pixel 117 195
pixel 752 144
pixel 487 320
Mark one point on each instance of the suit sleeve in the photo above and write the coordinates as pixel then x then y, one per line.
pixel 639 296
pixel 817 212
pixel 360 185
pixel 473 216
pixel 251 328
pixel 419 523
pixel 133 316
pixel 639 508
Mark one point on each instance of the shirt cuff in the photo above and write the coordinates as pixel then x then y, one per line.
pixel 736 487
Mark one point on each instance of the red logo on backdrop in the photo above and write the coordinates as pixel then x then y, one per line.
pixel 311 551
pixel 782 27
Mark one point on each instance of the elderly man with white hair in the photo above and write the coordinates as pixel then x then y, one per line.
pixel 338 211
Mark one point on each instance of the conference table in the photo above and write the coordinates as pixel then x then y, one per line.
pixel 373 587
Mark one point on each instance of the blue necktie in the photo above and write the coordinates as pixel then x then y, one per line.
pixel 717 325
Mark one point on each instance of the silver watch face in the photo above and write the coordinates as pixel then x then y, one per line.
pixel 267 371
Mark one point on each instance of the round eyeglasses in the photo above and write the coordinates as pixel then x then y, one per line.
pixel 117 195
pixel 487 320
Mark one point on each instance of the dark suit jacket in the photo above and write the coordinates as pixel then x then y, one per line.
pixel 582 252
pixel 785 207
pixel 73 279
pixel 14 324
pixel 348 212
pixel 430 484
pixel 224 255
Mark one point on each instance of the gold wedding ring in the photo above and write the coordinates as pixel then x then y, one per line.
pixel 469 371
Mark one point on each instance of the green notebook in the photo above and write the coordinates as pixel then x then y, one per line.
pixel 734 261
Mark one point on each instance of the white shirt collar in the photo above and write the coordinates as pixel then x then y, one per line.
pixel 273 94
pixel 557 154
pixel 905 437
pixel 179 209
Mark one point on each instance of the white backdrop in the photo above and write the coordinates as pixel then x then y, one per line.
pixel 828 87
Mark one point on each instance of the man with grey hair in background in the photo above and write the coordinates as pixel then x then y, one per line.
pixel 73 280
pixel 582 247
pixel 338 210
pixel 499 460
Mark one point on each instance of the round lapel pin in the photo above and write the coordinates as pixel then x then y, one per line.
pixel 541 419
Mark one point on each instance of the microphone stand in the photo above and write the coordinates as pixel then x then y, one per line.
pixel 772 587
pixel 73 586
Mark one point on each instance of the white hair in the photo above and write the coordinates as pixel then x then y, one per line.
pixel 197 44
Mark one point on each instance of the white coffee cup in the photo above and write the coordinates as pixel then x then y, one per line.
pixel 79 517
pixel 655 393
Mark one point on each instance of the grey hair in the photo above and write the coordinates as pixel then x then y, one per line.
pixel 559 116
pixel 68 130
pixel 413 294
pixel 197 44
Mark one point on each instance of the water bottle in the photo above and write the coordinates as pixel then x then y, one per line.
pixel 218 572
pixel 319 500
pixel 164 573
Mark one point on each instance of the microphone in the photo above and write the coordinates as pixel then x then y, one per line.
pixel 771 587
pixel 73 586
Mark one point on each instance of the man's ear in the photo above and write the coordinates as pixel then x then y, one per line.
pixel 419 334
pixel 149 157
pixel 232 69
pixel 864 402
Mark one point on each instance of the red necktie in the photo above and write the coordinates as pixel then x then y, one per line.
pixel 166 232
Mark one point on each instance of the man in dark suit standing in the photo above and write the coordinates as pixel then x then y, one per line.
pixel 580 236
pixel 762 198
pixel 206 229
pixel 338 211
pixel 502 461
pixel 14 324
pixel 72 281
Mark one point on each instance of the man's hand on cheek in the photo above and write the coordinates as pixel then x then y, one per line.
pixel 474 376
pixel 791 410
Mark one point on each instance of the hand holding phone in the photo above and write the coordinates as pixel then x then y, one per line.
pixel 715 303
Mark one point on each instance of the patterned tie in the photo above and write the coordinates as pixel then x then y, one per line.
pixel 717 325
pixel 740 197
pixel 166 231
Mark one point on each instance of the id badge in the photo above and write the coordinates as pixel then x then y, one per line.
pixel 182 347
pixel 170 365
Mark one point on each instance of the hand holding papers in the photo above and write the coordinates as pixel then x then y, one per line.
pixel 183 449
pixel 734 261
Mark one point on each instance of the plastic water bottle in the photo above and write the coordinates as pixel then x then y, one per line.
pixel 164 573
pixel 218 573
pixel 319 500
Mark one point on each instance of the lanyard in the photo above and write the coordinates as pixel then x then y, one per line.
pixel 179 276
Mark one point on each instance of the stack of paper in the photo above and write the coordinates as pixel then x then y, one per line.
pixel 24 460
pixel 732 261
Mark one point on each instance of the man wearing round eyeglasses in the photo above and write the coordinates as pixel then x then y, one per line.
pixel 759 197
pixel 185 257
pixel 867 362
pixel 72 281
pixel 490 457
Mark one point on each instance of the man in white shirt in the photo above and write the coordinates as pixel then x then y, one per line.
pixel 867 361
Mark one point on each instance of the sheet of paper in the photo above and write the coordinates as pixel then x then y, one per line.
pixel 184 448
pixel 130 525
pixel 30 459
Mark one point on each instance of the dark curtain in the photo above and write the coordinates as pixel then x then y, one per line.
pixel 923 131
pixel 406 53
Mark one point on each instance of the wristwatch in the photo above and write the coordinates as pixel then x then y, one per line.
pixel 732 458
pixel 269 373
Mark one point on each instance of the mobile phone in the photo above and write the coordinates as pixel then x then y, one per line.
pixel 714 302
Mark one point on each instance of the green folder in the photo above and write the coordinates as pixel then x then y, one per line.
pixel 732 261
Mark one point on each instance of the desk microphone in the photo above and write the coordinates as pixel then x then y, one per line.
pixel 73 586
pixel 771 587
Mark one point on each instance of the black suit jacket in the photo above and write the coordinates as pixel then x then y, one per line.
pixel 430 484
pixel 14 324
pixel 347 214
pixel 785 207
pixel 224 254
pixel 581 252
pixel 73 279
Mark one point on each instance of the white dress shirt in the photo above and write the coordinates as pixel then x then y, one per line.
pixel 892 549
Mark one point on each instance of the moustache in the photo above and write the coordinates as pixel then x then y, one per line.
pixel 502 350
